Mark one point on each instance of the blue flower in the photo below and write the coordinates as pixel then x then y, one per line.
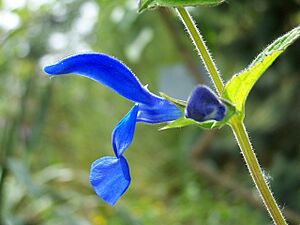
pixel 204 105
pixel 109 176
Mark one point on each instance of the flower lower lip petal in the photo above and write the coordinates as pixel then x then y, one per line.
pixel 110 178
pixel 123 133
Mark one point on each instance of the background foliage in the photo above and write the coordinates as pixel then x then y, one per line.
pixel 52 130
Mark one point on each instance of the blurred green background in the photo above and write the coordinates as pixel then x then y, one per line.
pixel 52 130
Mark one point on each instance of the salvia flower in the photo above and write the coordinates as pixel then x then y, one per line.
pixel 109 175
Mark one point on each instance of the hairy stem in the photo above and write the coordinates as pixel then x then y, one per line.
pixel 236 124
pixel 202 49
pixel 256 172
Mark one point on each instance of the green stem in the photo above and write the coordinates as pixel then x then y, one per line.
pixel 5 145
pixel 202 49
pixel 236 124
pixel 242 138
pixel 2 178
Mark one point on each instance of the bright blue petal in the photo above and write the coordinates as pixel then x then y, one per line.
pixel 161 111
pixel 204 105
pixel 107 71
pixel 110 178
pixel 123 133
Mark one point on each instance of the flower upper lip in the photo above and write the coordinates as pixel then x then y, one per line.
pixel 115 75
pixel 107 71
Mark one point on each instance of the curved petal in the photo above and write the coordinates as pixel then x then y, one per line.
pixel 204 105
pixel 123 133
pixel 107 71
pixel 110 178
pixel 162 111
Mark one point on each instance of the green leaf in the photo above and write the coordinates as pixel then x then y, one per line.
pixel 210 124
pixel 239 86
pixel 180 122
pixel 149 4
pixel 180 103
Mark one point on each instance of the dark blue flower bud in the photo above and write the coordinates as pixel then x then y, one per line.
pixel 204 105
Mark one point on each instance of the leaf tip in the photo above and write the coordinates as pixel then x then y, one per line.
pixel 163 128
pixel 143 5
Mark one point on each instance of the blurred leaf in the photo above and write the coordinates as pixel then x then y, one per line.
pixel 22 174
pixel 238 88
pixel 148 4
pixel 54 172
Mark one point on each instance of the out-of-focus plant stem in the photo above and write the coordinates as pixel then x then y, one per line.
pixel 237 125
pixel 8 142
pixel 3 172
pixel 6 146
